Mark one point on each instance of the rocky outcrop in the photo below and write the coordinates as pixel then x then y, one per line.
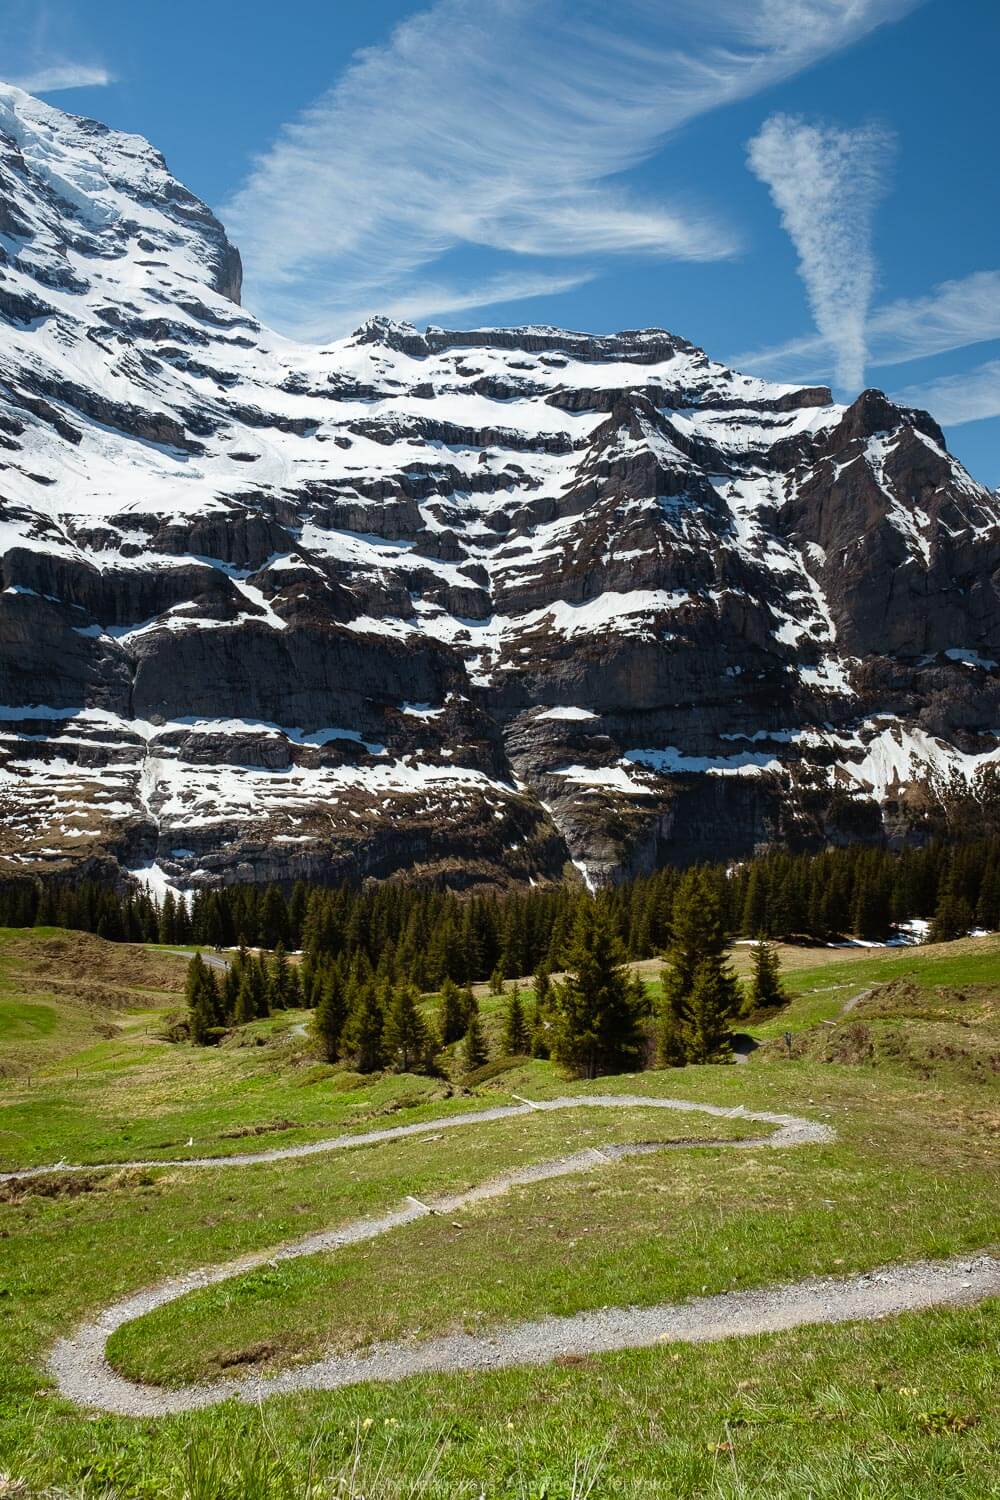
pixel 478 606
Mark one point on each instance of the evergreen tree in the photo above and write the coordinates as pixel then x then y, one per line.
pixel 453 1014
pixel 671 1043
pixel 475 1053
pixel 988 906
pixel 230 990
pixel 952 917
pixel 199 1023
pixel 182 922
pixel 202 1001
pixel 542 1012
pixel 754 914
pixel 168 920
pixel 497 980
pixel 279 983
pixel 470 941
pixel 470 1007
pixel 871 913
pixel 600 1007
pixel 273 920
pixel 696 950
pixel 293 994
pixel 245 1008
pixel 516 1037
pixel 407 1039
pixel 766 990
pixel 364 1030
pixel 708 1037
pixel 259 985
pixel 330 1017
pixel 309 975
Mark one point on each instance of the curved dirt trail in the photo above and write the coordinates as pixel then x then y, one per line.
pixel 84 1376
pixel 791 1131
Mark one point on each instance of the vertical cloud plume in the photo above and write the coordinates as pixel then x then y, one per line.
pixel 826 183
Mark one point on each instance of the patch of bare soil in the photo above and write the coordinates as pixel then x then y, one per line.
pixel 274 1128
pixel 971 1005
pixel 922 1031
pixel 72 1185
pixel 254 1355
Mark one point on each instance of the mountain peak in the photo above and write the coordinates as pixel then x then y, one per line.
pixel 482 605
pixel 78 190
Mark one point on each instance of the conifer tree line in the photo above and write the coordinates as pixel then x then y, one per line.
pixel 250 987
pixel 595 1018
pixel 424 935
pixel 369 954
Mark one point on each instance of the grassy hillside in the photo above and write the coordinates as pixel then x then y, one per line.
pixel 902 1408
pixel 62 993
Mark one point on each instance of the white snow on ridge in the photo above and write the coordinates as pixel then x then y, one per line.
pixel 156 881
pixel 970 658
pixel 614 778
pixel 566 713
pixel 673 761
pixel 439 492
pixel 897 756
pixel 609 611
pixel 880 759
pixel 421 711
pixel 912 523
pixel 745 431
pixel 181 797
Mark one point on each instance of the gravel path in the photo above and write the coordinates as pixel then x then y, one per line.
pixel 855 1001
pixel 791 1132
pixel 84 1376
pixel 213 960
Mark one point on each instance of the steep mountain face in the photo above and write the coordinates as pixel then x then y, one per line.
pixel 482 605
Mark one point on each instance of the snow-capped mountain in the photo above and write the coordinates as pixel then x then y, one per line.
pixel 467 604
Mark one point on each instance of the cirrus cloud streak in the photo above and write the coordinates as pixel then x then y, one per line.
pixel 972 396
pixel 954 315
pixel 53 78
pixel 508 129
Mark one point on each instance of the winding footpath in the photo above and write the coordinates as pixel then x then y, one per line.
pixel 84 1376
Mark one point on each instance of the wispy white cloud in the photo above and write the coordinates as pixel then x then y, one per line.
pixel 956 399
pixel 47 47
pixel 505 127
pixel 826 182
pixel 54 77
pixel 953 315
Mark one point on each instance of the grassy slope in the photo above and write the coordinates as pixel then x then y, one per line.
pixel 819 990
pixel 901 1409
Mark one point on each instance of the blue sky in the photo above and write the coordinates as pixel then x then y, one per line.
pixel 806 187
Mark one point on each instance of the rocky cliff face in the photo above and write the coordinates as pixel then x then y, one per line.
pixel 485 605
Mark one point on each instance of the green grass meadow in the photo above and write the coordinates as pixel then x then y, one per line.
pixel 908 1407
